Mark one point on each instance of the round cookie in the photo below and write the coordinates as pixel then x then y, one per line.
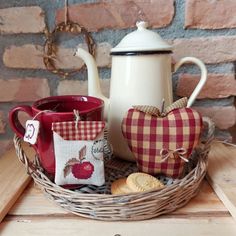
pixel 141 182
pixel 119 186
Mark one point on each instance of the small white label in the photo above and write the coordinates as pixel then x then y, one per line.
pixel 31 131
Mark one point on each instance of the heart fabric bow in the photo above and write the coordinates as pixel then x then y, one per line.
pixel 178 153
pixel 162 141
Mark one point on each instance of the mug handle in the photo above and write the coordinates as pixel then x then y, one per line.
pixel 14 119
pixel 203 78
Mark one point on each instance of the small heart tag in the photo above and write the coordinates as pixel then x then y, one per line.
pixel 31 132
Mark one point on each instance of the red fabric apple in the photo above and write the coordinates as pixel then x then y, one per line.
pixel 162 144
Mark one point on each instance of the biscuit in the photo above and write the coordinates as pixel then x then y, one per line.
pixel 119 186
pixel 141 182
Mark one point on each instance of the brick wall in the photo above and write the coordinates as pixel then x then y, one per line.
pixel 200 28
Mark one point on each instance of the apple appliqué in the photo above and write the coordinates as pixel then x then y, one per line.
pixel 78 167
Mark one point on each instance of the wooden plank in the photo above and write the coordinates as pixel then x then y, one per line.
pixel 222 174
pixel 209 226
pixel 13 179
pixel 205 203
pixel 33 202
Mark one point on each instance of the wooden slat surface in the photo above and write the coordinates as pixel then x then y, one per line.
pixel 33 214
pixel 222 174
pixel 13 180
pixel 33 202
pixel 31 226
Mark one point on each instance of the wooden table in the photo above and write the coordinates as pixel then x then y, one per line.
pixel 33 214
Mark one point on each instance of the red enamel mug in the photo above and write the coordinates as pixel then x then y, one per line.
pixel 54 109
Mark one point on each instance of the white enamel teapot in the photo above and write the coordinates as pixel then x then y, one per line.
pixel 141 75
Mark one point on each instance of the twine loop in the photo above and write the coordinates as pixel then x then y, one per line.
pixel 41 112
pixel 77 118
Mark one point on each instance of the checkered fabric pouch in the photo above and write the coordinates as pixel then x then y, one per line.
pixel 162 144
pixel 78 148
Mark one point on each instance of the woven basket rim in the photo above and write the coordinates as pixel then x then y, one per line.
pixel 30 171
pixel 125 206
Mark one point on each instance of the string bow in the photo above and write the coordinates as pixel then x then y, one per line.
pixel 167 153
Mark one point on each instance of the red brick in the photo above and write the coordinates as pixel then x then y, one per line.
pixel 210 14
pixel 217 86
pixel 26 56
pixel 17 20
pixel 223 117
pixel 119 14
pixel 31 57
pixel 5 145
pixel 81 87
pixel 2 123
pixel 209 49
pixel 103 58
pixel 23 90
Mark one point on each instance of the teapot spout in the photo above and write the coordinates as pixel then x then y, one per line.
pixel 94 88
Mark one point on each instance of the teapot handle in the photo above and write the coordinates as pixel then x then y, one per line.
pixel 203 78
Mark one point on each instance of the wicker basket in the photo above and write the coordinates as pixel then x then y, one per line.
pixel 97 202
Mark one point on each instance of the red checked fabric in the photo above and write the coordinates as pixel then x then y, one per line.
pixel 151 137
pixel 82 130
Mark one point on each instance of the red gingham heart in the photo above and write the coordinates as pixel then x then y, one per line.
pixel 162 144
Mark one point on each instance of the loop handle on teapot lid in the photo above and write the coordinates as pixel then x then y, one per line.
pixel 141 25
